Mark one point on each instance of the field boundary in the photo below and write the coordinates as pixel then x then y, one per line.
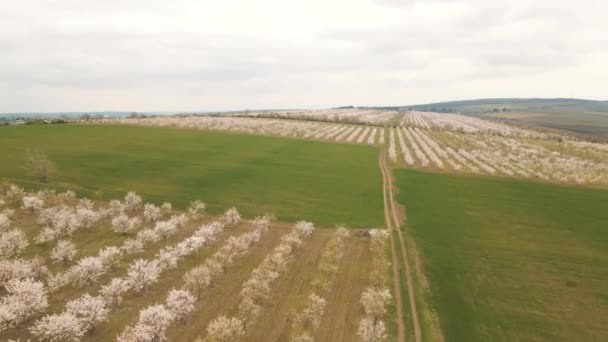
pixel 391 212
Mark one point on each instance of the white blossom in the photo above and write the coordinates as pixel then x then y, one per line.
pixel 64 327
pixel 197 209
pixel 141 273
pixel 180 303
pixel 304 228
pixel 14 192
pixel 224 329
pixel 313 312
pixel 151 212
pixel 114 290
pixel 375 300
pixel 261 223
pixel 24 298
pixel 132 246
pixel 166 208
pixel 370 331
pixel 20 268
pixel 88 310
pixel 132 201
pixel 12 243
pixel 151 326
pixel 87 270
pixel 64 251
pixel 32 203
pixel 123 224
pixel 147 235
pixel 109 255
pixel 232 217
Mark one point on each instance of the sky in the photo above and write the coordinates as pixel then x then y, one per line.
pixel 207 55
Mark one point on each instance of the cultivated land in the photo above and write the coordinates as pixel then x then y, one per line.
pixel 471 257
pixel 291 179
pixel 510 260
pixel 267 266
pixel 584 118
pixel 450 142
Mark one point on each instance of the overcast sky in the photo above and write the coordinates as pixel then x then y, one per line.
pixel 154 55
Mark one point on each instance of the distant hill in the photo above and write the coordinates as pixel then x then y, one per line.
pixel 62 115
pixel 489 105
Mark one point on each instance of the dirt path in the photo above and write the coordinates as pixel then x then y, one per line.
pixel 390 210
pixel 395 261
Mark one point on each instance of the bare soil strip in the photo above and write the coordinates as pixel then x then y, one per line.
pixel 225 293
pixel 274 320
pixel 397 226
pixel 395 261
pixel 341 319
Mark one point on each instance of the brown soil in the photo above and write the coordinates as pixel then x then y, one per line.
pixel 341 318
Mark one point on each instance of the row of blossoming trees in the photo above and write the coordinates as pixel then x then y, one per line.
pixel 553 160
pixel 450 142
pixel 55 287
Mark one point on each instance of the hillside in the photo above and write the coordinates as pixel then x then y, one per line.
pixel 584 118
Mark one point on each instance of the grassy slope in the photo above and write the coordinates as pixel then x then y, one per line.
pixel 510 260
pixel 325 183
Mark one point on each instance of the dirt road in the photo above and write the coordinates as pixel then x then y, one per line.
pixel 394 225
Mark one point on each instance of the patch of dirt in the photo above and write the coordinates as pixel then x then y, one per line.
pixel 343 311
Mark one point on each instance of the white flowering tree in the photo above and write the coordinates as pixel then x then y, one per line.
pixel 24 298
pixel 88 310
pixel 151 326
pixel 132 201
pixel 375 300
pixel 371 331
pixel 180 303
pixel 64 327
pixel 313 312
pixel 224 329
pixel 142 272
pixel 64 251
pixel 197 209
pixel 12 243
pixel 32 203
pixel 20 269
pixel 123 224
pixel 231 217
pixel 151 212
pixel 114 290
pixel 87 270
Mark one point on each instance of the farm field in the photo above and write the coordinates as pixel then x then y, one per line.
pixel 291 179
pixel 510 260
pixel 448 142
pixel 139 272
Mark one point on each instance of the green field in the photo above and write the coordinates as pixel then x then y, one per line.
pixel 510 260
pixel 292 179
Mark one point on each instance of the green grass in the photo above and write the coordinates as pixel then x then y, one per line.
pixel 510 260
pixel 292 179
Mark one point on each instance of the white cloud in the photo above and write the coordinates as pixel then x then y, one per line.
pixel 60 55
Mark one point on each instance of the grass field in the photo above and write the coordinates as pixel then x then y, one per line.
pixel 510 260
pixel 292 179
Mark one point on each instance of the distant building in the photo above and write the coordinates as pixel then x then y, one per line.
pixel 18 122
